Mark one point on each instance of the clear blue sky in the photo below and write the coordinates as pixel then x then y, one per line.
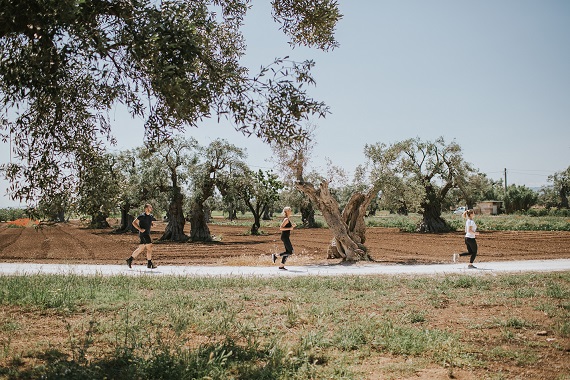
pixel 493 75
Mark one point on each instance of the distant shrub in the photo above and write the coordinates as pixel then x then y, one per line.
pixel 564 212
pixel 8 214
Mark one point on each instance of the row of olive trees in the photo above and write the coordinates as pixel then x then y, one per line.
pixel 179 175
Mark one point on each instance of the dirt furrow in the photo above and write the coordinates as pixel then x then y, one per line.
pixel 9 236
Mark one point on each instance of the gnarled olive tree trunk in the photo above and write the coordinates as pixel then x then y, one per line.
pixel 174 230
pixel 126 219
pixel 199 215
pixel 99 220
pixel 349 229
pixel 199 230
pixel 308 214
pixel 431 214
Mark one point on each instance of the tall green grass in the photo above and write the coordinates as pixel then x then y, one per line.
pixel 256 328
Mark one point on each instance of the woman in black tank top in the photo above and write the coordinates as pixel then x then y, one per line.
pixel 285 228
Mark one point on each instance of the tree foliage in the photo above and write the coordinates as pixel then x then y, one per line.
pixel 65 64
pixel 519 198
pixel 557 194
pixel 475 188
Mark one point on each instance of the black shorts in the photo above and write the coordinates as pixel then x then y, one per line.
pixel 145 239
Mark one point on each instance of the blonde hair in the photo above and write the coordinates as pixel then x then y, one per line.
pixel 285 209
pixel 467 213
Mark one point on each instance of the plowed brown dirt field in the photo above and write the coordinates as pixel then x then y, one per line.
pixel 72 243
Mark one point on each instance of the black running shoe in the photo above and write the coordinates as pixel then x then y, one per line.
pixel 274 257
pixel 130 262
pixel 150 265
pixel 282 268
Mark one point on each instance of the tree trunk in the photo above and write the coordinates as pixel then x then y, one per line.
pixel 232 213
pixel 266 213
pixel 99 220
pixel 403 209
pixel 256 224
pixel 126 220
pixel 431 217
pixel 348 229
pixel 199 230
pixel 57 216
pixel 308 215
pixel 256 210
pixel 174 230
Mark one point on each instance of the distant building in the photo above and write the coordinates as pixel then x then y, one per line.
pixel 490 207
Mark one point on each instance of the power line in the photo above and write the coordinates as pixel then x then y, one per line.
pixel 536 175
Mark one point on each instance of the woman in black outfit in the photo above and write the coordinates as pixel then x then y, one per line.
pixel 285 228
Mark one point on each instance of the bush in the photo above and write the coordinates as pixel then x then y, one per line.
pixel 8 214
pixel 519 198
pixel 563 212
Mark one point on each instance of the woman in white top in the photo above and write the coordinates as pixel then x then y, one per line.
pixel 470 242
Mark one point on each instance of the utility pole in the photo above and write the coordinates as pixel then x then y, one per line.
pixel 505 180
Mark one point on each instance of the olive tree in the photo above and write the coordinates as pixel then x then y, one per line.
pixel 216 163
pixel 347 226
pixel 431 167
pixel 177 158
pixel 559 190
pixel 259 191
pixel 65 65
pixel 98 191
pixel 129 167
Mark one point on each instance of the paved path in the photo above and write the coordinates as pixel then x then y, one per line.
pixel 308 270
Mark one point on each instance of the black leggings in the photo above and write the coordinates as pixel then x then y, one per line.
pixel 471 244
pixel 288 249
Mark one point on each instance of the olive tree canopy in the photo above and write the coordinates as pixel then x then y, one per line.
pixel 65 64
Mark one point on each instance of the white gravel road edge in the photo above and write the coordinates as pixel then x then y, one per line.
pixel 269 271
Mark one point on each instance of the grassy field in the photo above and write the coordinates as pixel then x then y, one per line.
pixel 70 327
